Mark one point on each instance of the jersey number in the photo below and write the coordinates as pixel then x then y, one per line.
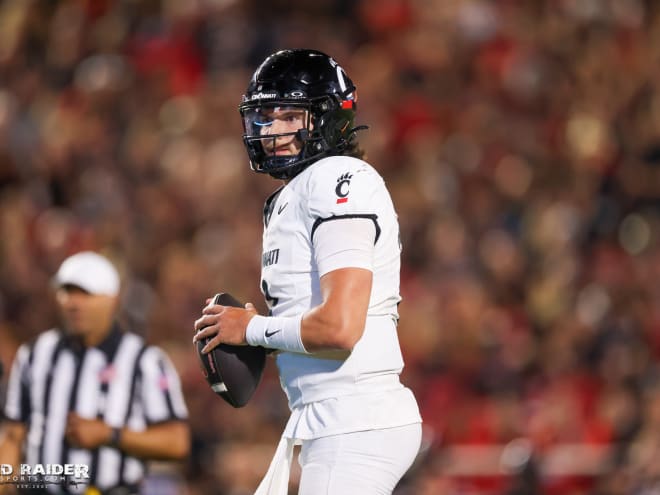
pixel 270 300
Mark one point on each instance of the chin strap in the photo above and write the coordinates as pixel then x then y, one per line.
pixel 358 128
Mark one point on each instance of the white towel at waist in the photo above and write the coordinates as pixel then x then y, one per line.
pixel 276 480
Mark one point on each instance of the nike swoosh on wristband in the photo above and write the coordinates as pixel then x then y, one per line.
pixel 270 334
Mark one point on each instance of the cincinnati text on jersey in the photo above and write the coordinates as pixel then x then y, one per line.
pixel 270 257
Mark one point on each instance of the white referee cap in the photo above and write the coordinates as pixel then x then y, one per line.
pixel 91 272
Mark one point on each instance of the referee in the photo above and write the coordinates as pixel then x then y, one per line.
pixel 89 396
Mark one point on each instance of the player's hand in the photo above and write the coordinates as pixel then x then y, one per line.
pixel 86 433
pixel 225 324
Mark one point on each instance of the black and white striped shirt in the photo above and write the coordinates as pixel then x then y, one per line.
pixel 122 381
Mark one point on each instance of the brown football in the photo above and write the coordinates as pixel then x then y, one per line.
pixel 233 372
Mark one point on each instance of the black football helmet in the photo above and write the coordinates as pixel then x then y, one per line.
pixel 300 80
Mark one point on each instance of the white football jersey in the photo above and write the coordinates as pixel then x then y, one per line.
pixel 334 189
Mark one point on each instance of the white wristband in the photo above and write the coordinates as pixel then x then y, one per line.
pixel 276 332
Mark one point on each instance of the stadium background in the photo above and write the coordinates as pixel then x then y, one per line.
pixel 520 142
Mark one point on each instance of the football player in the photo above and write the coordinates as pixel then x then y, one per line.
pixel 330 277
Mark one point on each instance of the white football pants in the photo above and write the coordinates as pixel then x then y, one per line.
pixel 361 463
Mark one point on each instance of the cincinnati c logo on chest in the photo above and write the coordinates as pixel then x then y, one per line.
pixel 270 257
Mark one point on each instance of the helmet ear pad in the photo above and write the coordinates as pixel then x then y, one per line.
pixel 334 128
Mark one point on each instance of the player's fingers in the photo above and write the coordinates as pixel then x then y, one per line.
pixel 209 331
pixel 213 309
pixel 211 344
pixel 205 321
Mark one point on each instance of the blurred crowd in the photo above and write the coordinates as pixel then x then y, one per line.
pixel 520 142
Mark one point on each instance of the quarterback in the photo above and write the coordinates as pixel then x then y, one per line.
pixel 330 276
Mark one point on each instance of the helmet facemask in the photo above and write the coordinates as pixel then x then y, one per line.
pixel 270 134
